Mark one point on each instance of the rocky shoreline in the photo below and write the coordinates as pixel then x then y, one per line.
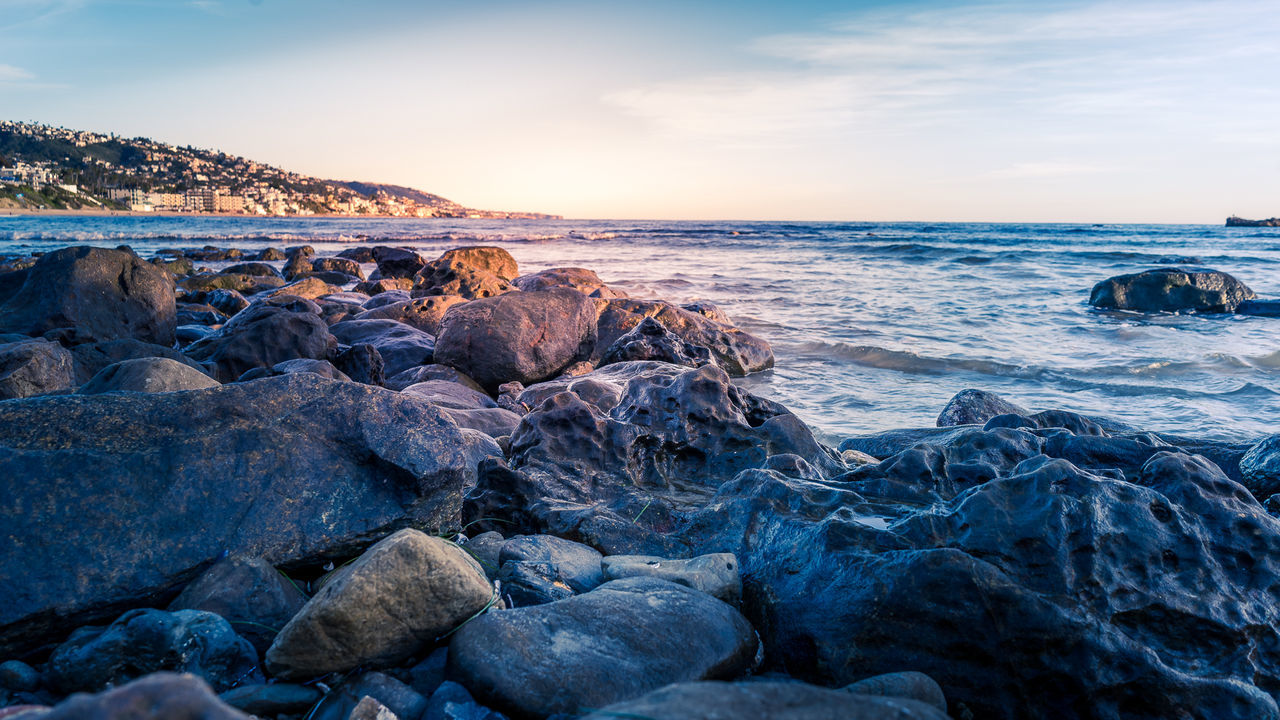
pixel 377 485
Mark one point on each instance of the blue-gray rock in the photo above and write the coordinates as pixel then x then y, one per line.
pixel 764 700
pixel 146 641
pixel 576 565
pixel 1172 289
pixel 975 407
pixel 362 363
pixel 341 265
pixel 715 574
pixel 738 352
pixel 451 395
pixel 400 346
pixel 159 696
pixel 272 700
pixel 494 422
pixel 17 675
pixel 295 469
pixel 34 367
pixel 433 371
pixel 451 701
pixel 1261 308
pixel 147 375
pixel 91 358
pixel 1260 468
pixel 650 340
pixel 401 699
pixel 907 684
pixel 394 262
pixel 253 268
pixel 249 593
pixel 424 313
pixel 611 644
pixel 270 331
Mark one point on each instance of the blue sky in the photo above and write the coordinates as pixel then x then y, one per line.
pixel 1066 111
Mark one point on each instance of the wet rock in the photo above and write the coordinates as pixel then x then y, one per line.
pixel 264 334
pixel 493 259
pixel 260 269
pixel 17 675
pixel 611 644
pixel 227 302
pixel 715 574
pixel 651 341
pixel 576 564
pixel 494 422
pixel 311 288
pixel 424 313
pixel 1260 468
pixel 295 469
pixel 174 266
pixel 270 254
pixel 250 594
pixel 575 278
pixel 709 311
pixel 362 254
pixel 34 367
pixel 337 264
pixel 763 700
pixel 400 346
pixel 272 700
pixel 191 314
pixel 975 407
pixel 187 334
pixel 456 277
pixel 147 375
pixel 522 336
pixel 486 548
pixel 323 368
pixel 433 371
pixel 146 641
pixel 382 286
pixel 100 294
pixel 362 363
pixel 738 352
pixel 526 583
pixel 451 701
pixel 399 596
pixel 1172 289
pixel 207 282
pixel 90 359
pixel 451 395
pixel 1261 308
pixel 160 696
pixel 396 262
pixel 908 684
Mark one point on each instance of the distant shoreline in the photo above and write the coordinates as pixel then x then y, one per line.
pixel 14 212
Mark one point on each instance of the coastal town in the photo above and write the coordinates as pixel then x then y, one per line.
pixel 53 168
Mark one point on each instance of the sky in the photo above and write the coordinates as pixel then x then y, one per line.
pixel 935 111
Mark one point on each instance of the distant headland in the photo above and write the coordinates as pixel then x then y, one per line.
pixel 1234 221
pixel 51 168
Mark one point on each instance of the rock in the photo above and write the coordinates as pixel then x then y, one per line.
pixel 370 709
pixel 260 269
pixel 361 363
pixel 651 341
pixel 396 696
pixel 581 279
pixel 337 264
pixel 909 684
pixel 333 277
pixel 451 701
pixel 493 259
pixel 397 262
pixel 1171 289
pixel 434 371
pixel 458 278
pixel 424 313
pixel 451 395
pixel 17 675
pixel 613 643
pixel 311 288
pixel 738 352
pixel 361 254
pixel 764 700
pixel 399 596
pixel 187 334
pixel 527 337
pixel 1261 308
pixel 207 282
pixel 401 347
pixel 191 314
pixel 494 422
pixel 620 471
pixel 295 470
pixel 1260 468
pixel 975 407
pixel 228 302
pixel 160 696
pixel 272 700
pixel 526 583
pixel 709 311
pixel 99 294
pixel 174 266
pixel 715 574
pixel 576 564
pixel 146 641
pixel 486 548
pixel 323 368
pixel 270 254
pixel 382 286
pixel 147 375
pixel 249 593
pixel 210 253
pixel 90 359
pixel 34 367
pixel 268 332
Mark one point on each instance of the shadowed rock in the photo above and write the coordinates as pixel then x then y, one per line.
pixel 396 262
pixel 249 593
pixel 268 332
pixel 581 279
pixel 148 375
pixel 738 352
pixel 493 259
pixel 424 313
pixel 400 346
pixel 456 277
pixel 764 700
pixel 1172 289
pixel 34 367
pixel 975 407
pixel 161 696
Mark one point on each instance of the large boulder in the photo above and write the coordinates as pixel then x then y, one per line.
pixel 160 696
pixel 294 469
pixel 268 332
pixel 492 259
pixel 581 279
pixel 456 277
pixel 98 294
pixel 34 367
pixel 764 700
pixel 525 337
pixel 401 346
pixel 424 313
pixel 611 644
pixel 146 641
pixel 402 594
pixel 738 352
pixel 148 375
pixel 1172 289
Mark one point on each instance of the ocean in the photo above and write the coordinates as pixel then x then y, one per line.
pixel 874 325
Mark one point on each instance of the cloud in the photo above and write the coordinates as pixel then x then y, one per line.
pixel 9 73
pixel 1045 170
pixel 895 71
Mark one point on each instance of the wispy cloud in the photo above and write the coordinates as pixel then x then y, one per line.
pixel 893 70
pixel 9 74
